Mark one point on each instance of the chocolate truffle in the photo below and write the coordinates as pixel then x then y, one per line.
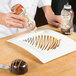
pixel 19 67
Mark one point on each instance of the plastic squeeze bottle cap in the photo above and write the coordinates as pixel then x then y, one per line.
pixel 67 6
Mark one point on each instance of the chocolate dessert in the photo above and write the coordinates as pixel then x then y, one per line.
pixel 19 67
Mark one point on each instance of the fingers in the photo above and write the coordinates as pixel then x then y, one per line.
pixel 56 24
pixel 55 20
pixel 11 24
pixel 15 21
pixel 18 17
pixel 59 19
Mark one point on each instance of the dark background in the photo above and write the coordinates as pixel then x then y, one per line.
pixel 57 6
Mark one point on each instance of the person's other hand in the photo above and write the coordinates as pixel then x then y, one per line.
pixel 54 20
pixel 13 21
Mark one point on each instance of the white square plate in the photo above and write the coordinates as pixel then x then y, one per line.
pixel 66 46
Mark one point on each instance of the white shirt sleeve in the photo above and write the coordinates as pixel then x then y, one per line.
pixel 22 2
pixel 42 3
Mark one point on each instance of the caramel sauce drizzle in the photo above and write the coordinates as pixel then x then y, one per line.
pixel 44 42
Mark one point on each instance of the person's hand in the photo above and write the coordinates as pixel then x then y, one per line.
pixel 54 20
pixel 15 21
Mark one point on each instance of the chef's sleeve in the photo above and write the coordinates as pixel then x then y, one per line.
pixel 13 2
pixel 42 3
